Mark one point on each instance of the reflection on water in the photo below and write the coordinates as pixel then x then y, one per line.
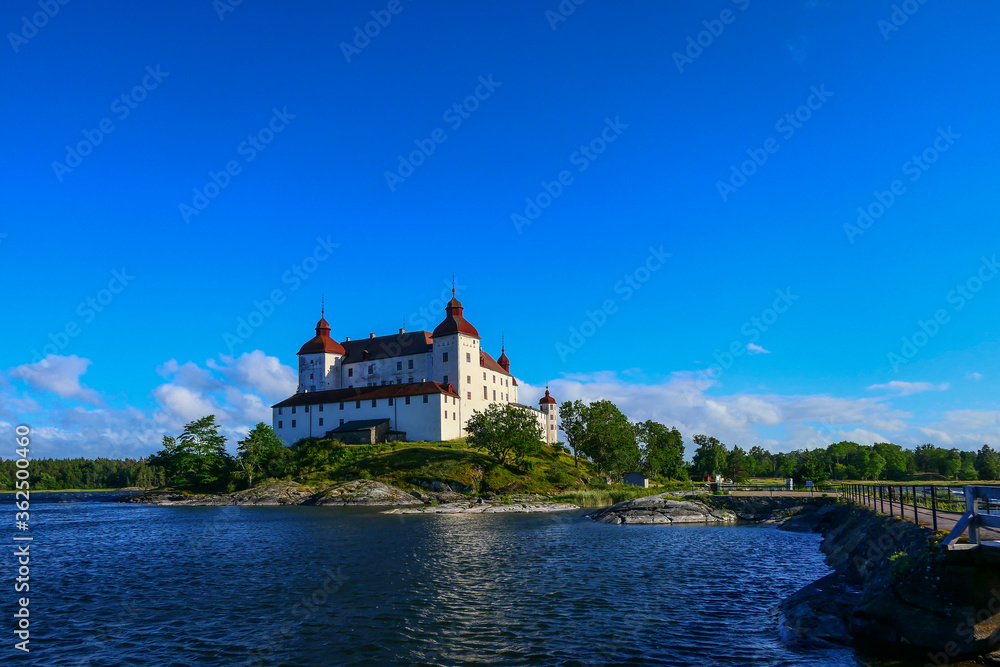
pixel 121 584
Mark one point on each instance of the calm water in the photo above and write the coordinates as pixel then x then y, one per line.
pixel 134 585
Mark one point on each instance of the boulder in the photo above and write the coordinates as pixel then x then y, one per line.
pixel 480 507
pixel 662 509
pixel 363 492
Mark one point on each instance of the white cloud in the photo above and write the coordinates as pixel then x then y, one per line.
pixel 906 388
pixel 238 391
pixel 754 348
pixel 60 375
pixel 973 376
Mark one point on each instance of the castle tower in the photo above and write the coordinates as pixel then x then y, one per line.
pixel 319 360
pixel 456 357
pixel 548 405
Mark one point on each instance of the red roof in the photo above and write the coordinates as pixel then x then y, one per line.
pixel 503 360
pixel 454 321
pixel 546 398
pixel 322 341
pixel 486 361
pixel 363 393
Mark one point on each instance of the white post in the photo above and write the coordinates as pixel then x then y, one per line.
pixel 972 508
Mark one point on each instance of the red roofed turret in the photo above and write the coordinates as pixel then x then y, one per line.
pixel 322 341
pixel 503 360
pixel 454 321
pixel 546 399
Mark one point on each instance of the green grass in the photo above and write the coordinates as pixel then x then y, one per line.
pixel 406 464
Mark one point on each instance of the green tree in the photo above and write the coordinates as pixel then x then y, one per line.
pixel 198 459
pixel 505 431
pixel 610 440
pixel 572 423
pixel 737 464
pixel 663 449
pixel 257 450
pixel 709 457
pixel 988 463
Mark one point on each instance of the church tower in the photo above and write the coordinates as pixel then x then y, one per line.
pixel 320 360
pixel 550 408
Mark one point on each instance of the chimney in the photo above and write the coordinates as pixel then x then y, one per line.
pixel 371 335
pixel 448 387
pixel 402 331
pixel 347 340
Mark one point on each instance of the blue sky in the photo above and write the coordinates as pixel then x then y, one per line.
pixel 619 123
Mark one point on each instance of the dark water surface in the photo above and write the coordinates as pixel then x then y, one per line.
pixel 135 585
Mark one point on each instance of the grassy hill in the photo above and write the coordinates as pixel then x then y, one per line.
pixel 414 465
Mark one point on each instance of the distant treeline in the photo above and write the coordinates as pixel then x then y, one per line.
pixel 56 474
pixel 844 461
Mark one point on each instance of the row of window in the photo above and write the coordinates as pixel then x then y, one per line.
pixel 281 424
pixel 305 408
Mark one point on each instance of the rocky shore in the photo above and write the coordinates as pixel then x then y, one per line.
pixel 670 508
pixel 483 507
pixel 893 586
pixel 356 493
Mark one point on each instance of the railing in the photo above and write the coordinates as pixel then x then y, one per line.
pixel 958 508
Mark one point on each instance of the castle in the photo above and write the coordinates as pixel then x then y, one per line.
pixel 413 385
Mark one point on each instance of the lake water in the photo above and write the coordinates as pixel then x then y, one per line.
pixel 136 585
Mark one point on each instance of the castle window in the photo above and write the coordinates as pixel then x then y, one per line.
pixel 409 381
pixel 374 402
pixel 305 409
pixel 407 400
pixel 293 409
pixel 468 379
pixel 485 394
pixel 341 405
pixel 281 425
pixel 454 416
pixel 409 364
pixel 444 357
pixel 484 376
pixel 425 398
pixel 293 423
pixel 494 379
pixel 494 394
pixel 390 402
pixel 321 407
pixel 445 381
pixel 279 411
pixel 445 414
pixel 468 395
pixel 312 387
pixel 311 376
pixel 468 357
pixel 357 404
pixel 350 372
pixel 341 422
pixel 320 421
pixel 371 369
pixel 399 365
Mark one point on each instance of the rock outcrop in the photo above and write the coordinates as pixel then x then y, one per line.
pixel 893 585
pixel 662 509
pixel 363 492
pixel 486 508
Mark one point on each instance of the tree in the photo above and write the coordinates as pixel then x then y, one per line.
pixel 988 463
pixel 610 439
pixel 709 457
pixel 198 458
pixel 737 464
pixel 663 450
pixel 571 421
pixel 257 450
pixel 876 464
pixel 507 432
